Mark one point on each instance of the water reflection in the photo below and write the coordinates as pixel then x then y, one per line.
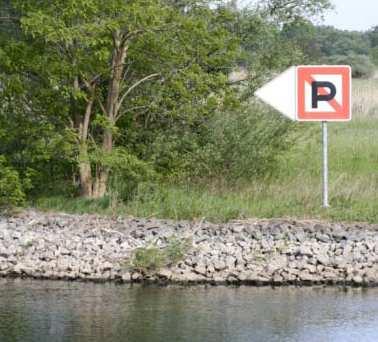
pixel 59 311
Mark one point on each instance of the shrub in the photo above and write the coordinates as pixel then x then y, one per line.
pixel 246 144
pixel 362 66
pixel 11 193
pixel 153 258
pixel 148 259
pixel 233 144
pixel 127 172
pixel 176 249
pixel 374 55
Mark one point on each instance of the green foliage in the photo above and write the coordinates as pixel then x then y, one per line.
pixel 77 205
pixel 373 36
pixel 148 259
pixel 294 191
pixel 374 55
pixel 36 151
pixel 228 137
pixel 245 145
pixel 304 35
pixel 190 201
pixel 265 49
pixel 190 52
pixel 176 249
pixel 11 193
pixel 326 44
pixel 153 258
pixel 289 10
pixel 127 171
pixel 362 67
pixel 185 121
pixel 333 41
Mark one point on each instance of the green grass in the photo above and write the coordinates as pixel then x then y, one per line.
pixel 152 258
pixel 294 191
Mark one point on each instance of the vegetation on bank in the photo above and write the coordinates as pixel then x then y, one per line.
pixel 153 258
pixel 134 108
pixel 293 191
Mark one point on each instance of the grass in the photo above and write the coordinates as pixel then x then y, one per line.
pixel 295 191
pixel 152 258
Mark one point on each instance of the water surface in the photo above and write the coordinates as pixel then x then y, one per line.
pixel 62 311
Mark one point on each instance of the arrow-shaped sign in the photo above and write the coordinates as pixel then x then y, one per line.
pixel 280 93
pixel 311 93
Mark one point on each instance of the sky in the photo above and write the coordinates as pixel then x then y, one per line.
pixel 348 14
pixel 353 14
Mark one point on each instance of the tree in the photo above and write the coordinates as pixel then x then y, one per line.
pixel 374 55
pixel 94 91
pixel 373 36
pixel 362 67
pixel 289 10
pixel 302 33
pixel 98 57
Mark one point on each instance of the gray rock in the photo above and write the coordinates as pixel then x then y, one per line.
pixel 308 277
pixel 323 259
pixel 276 263
pixel 323 237
pixel 200 269
pixel 358 280
pixel 165 274
pixel 261 252
pixel 230 262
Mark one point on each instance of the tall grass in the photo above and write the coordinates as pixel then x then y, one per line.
pixel 293 191
pixel 365 98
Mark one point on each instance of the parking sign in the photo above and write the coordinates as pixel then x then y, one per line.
pixel 324 93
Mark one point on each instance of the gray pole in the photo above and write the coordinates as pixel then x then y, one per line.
pixel 325 165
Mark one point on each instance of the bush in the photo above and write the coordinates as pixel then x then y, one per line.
pixel 153 258
pixel 243 144
pixel 11 193
pixel 127 172
pixel 148 259
pixel 362 66
pixel 246 144
pixel 374 55
pixel 176 249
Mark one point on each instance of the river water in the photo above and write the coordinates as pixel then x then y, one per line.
pixel 63 311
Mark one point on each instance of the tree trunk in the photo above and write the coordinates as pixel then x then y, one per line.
pixel 85 172
pixel 85 168
pixel 102 174
pixel 112 108
pixel 100 184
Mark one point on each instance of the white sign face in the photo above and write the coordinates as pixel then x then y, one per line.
pixel 311 93
pixel 323 106
pixel 280 93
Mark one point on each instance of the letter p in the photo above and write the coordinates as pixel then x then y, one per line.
pixel 318 95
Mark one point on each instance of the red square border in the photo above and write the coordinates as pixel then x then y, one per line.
pixel 305 74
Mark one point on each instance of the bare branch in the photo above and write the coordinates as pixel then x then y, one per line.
pixel 136 84
pixel 137 108
pixel 102 107
pixel 9 19
pixel 91 83
pixel 88 113
pixel 128 67
pixel 128 36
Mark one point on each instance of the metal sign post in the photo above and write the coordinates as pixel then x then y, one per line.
pixel 325 164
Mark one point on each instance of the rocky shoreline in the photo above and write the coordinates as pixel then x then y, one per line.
pixel 251 252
